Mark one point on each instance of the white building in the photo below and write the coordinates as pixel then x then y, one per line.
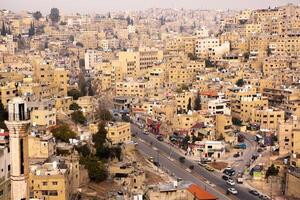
pixel 218 106
pixel 209 149
pixel 91 58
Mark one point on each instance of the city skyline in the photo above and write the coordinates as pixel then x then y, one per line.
pixel 94 6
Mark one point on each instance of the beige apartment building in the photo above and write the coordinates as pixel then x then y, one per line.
pixel 131 88
pixel 288 136
pixel 44 146
pixel 267 118
pixel 118 132
pixel 247 104
pixel 7 92
pixel 224 128
pixel 49 181
pixel 43 113
pixel 183 100
pixel 87 104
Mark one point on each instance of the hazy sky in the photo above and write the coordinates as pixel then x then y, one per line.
pixel 100 6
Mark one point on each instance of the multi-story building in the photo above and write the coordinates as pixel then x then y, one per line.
pixel 118 132
pixel 42 113
pixel 267 118
pixel 288 136
pixel 131 88
pixel 5 167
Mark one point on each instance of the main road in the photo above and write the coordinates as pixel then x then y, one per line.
pixel 168 157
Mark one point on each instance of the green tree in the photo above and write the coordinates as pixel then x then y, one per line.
pixel 3 117
pixel 240 82
pixel 31 30
pixel 82 84
pixel 103 153
pixel 197 104
pixel 78 117
pixel 189 106
pixel 63 133
pixel 99 139
pixel 272 171
pixel 74 106
pixel 74 93
pixel 96 170
pixel 37 15
pixel 116 152
pixel 54 15
pixel 84 150
pixel 104 114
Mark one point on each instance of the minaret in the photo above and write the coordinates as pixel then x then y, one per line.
pixel 17 124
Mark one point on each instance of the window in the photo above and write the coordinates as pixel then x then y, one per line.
pixel 45 183
pixel 54 183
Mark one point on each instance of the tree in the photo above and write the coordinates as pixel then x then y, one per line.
pixel 31 30
pixel 104 114
pixel 63 133
pixel 272 171
pixel 74 93
pixel 54 15
pixel 82 84
pixel 74 106
pixel 99 139
pixel 83 150
pixel 37 15
pixel 3 30
pixel 3 117
pixel 197 104
pixel 78 117
pixel 96 170
pixel 240 82
pixel 90 89
pixel 189 106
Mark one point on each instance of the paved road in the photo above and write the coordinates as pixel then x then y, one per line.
pixel 240 163
pixel 165 152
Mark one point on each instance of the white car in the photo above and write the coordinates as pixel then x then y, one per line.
pixel 232 190
pixel 230 182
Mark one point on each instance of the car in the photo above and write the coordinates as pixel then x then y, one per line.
pixel 201 164
pixel 188 170
pixel 229 171
pixel 230 182
pixel 254 192
pixel 224 177
pixel 181 159
pixel 146 133
pixel 232 191
pixel 259 150
pixel 210 183
pixel 160 138
pixel 209 168
pixel 236 155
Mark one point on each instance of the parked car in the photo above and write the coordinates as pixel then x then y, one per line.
pixel 229 171
pixel 160 138
pixel 254 192
pixel 201 164
pixel 146 132
pixel 224 177
pixel 236 155
pixel 209 168
pixel 230 182
pixel 181 159
pixel 232 191
pixel 240 146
